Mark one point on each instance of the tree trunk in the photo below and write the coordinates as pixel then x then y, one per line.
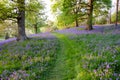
pixel 76 22
pixel 21 20
pixel 90 15
pixel 35 27
pixel 76 17
pixel 110 17
pixel 117 4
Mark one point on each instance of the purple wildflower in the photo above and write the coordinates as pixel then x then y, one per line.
pixel 114 74
pixel 95 71
pixel 107 66
pixel 0 49
pixel 28 46
pixel 97 29
pixel 7 41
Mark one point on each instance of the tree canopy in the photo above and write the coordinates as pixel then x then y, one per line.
pixel 77 11
pixel 20 11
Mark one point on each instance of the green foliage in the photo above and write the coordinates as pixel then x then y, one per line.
pixel 101 7
pixel 8 26
pixel 101 20
pixel 33 8
pixel 5 9
pixel 34 14
pixel 68 11
pixel 113 17
pixel 63 21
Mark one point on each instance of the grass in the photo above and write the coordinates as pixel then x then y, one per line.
pixel 88 57
pixel 76 57
pixel 80 28
pixel 1 39
pixel 99 57
pixel 29 60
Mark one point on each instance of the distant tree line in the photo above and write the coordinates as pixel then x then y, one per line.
pixel 76 12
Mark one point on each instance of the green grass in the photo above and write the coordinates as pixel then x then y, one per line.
pixel 87 57
pixel 80 28
pixel 29 60
pixel 99 54
pixel 2 38
pixel 75 57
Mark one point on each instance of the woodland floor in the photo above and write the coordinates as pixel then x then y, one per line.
pixel 70 54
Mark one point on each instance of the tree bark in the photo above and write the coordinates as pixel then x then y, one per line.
pixel 76 17
pixel 36 29
pixel 76 22
pixel 90 15
pixel 117 5
pixel 110 17
pixel 21 20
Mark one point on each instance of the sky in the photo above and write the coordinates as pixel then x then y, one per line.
pixel 114 3
pixel 48 9
pixel 49 13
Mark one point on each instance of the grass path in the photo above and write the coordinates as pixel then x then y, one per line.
pixel 62 69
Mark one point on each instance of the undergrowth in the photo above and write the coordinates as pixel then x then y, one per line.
pixel 75 57
pixel 28 60
pixel 97 57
